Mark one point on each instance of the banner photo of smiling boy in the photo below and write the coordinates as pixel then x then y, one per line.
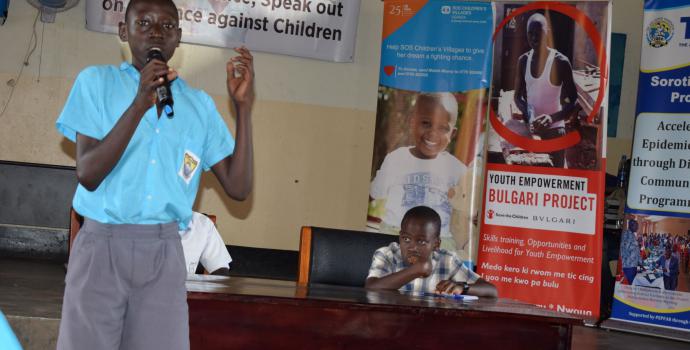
pixel 429 138
pixel 541 227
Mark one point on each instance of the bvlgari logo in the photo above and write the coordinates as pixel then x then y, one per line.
pixel 553 219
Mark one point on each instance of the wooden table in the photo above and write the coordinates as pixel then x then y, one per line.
pixel 245 313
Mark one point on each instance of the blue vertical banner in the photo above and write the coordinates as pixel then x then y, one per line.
pixel 4 5
pixel 653 286
pixel 432 106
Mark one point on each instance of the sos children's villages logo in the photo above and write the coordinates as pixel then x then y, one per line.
pixel 659 32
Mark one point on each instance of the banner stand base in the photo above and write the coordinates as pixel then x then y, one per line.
pixel 645 329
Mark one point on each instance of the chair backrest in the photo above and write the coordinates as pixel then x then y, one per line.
pixel 337 257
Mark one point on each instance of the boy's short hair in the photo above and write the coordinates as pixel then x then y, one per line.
pixel 425 214
pixel 129 5
pixel 444 99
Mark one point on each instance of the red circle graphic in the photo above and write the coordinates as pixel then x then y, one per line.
pixel 572 138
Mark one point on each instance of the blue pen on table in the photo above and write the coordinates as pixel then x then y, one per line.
pixel 453 296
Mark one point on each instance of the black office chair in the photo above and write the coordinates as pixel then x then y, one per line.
pixel 337 257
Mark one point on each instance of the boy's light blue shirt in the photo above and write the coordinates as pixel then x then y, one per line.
pixel 7 338
pixel 156 179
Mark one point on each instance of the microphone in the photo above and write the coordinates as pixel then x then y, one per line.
pixel 163 93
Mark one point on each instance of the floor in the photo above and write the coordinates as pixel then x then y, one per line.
pixel 31 295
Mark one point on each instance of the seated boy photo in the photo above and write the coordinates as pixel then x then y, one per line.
pixel 418 265
pixel 202 243
pixel 421 174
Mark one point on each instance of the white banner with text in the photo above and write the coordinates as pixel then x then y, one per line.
pixel 321 29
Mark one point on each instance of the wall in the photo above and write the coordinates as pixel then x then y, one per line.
pixel 627 19
pixel 313 121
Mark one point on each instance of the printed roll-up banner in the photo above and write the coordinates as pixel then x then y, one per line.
pixel 429 139
pixel 540 238
pixel 321 29
pixel 653 286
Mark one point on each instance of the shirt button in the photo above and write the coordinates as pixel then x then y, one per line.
pixel 153 161
pixel 158 131
pixel 149 197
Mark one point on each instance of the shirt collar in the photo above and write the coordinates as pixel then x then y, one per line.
pixel 130 69
pixel 134 73
pixel 127 66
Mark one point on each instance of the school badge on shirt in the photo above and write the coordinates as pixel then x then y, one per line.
pixel 189 166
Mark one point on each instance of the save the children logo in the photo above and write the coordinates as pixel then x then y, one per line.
pixel 659 32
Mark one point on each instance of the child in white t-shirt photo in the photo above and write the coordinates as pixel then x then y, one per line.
pixel 425 173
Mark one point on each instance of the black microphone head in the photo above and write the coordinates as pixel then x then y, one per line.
pixel 155 53
pixel 163 92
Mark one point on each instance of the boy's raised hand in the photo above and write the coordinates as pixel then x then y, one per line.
pixel 240 80
pixel 422 266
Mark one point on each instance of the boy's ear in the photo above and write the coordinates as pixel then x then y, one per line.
pixel 179 36
pixel 454 133
pixel 122 31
